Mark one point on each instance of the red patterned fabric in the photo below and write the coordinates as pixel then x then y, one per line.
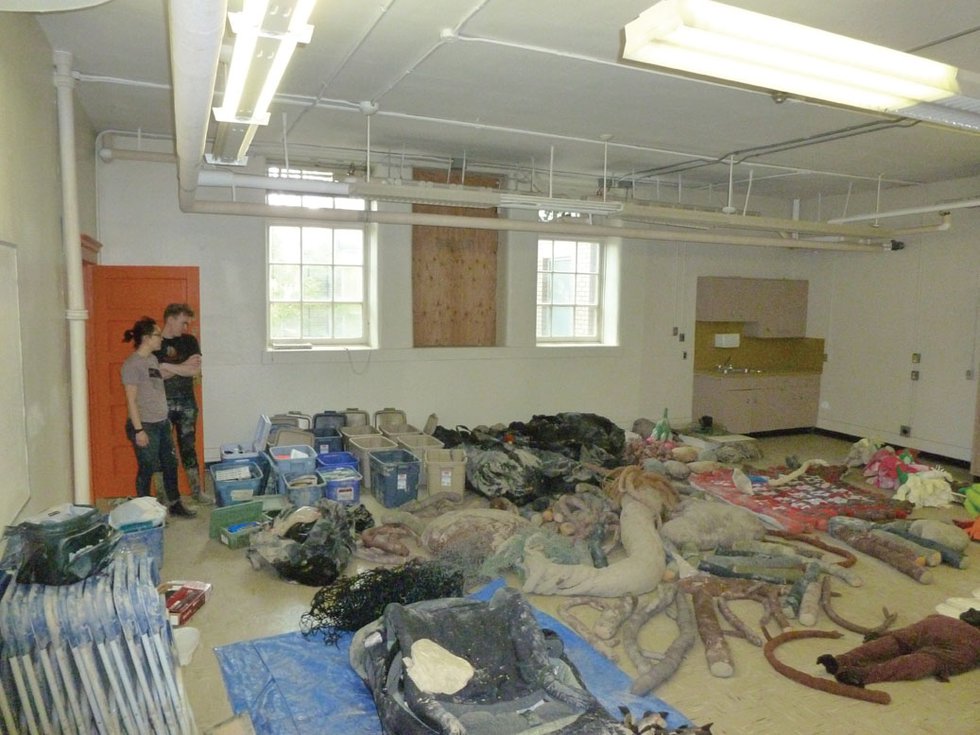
pixel 804 504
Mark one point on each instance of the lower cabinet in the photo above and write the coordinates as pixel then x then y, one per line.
pixel 745 404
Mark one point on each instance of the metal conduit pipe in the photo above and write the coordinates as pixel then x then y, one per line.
pixel 76 313
pixel 924 209
pixel 196 32
pixel 552 228
pixel 233 180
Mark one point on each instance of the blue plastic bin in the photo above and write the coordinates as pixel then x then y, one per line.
pixel 336 460
pixel 235 490
pixel 342 484
pixel 395 476
pixel 286 463
pixel 303 494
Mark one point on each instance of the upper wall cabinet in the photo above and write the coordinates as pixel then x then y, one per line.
pixel 769 307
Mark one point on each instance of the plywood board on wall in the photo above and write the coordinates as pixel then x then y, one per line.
pixel 454 274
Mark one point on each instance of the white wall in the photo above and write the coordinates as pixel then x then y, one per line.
pixel 140 225
pixel 880 309
pixel 30 219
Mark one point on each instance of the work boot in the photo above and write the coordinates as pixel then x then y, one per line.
pixel 180 510
pixel 198 495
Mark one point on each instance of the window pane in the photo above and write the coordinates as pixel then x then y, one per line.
pixel 564 288
pixel 544 288
pixel 317 245
pixel 317 283
pixel 564 256
pixel 284 321
pixel 284 200
pixel 588 257
pixel 544 324
pixel 585 322
pixel 348 247
pixel 284 283
pixel 348 321
pixel 349 284
pixel 314 201
pixel 284 245
pixel 562 318
pixel 544 255
pixel 587 290
pixel 317 321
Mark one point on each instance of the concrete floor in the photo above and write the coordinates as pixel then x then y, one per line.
pixel 756 700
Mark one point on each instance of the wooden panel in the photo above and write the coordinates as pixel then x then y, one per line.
pixel 769 307
pixel 454 274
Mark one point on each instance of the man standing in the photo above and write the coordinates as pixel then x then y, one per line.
pixel 180 362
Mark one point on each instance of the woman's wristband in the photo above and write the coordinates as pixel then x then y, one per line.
pixel 139 430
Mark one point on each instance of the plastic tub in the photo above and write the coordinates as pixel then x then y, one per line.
pixel 395 476
pixel 342 484
pixel 362 447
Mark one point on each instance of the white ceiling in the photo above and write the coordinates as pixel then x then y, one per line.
pixel 520 83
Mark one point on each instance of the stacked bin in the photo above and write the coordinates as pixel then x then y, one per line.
pixel 363 446
pixel 291 460
pixel 304 488
pixel 394 476
pixel 445 470
pixel 393 423
pixel 419 445
pixel 235 481
pixel 326 431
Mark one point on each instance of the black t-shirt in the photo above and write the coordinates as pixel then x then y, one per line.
pixel 175 350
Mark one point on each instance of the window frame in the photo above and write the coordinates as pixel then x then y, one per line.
pixel 600 288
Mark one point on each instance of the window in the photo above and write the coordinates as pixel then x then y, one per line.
pixel 569 278
pixel 317 274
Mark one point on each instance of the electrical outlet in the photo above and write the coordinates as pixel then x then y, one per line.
pixel 684 355
pixel 916 358
pixel 969 374
pixel 674 333
pixel 915 375
pixel 680 337
pixel 905 430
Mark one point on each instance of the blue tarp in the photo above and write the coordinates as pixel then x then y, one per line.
pixel 291 685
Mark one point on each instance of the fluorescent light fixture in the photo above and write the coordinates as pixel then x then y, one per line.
pixel 266 34
pixel 710 39
pixel 582 206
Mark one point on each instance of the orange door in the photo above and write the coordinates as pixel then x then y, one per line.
pixel 119 296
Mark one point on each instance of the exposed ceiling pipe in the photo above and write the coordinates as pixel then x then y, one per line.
pixel 554 228
pixel 196 32
pixel 925 209
pixel 76 313
pixel 234 180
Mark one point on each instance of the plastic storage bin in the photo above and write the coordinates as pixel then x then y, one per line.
pixel 395 476
pixel 392 422
pixel 348 433
pixel 342 484
pixel 303 488
pixel 293 458
pixel 356 417
pixel 63 545
pixel 250 450
pixel 362 447
pixel 445 470
pixel 326 431
pixel 234 514
pixel 235 482
pixel 336 460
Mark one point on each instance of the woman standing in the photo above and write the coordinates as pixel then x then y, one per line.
pixel 147 425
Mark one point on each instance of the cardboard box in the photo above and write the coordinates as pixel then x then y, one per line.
pixel 184 598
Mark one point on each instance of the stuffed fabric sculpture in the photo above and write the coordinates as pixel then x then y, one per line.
pixel 935 646
pixel 640 572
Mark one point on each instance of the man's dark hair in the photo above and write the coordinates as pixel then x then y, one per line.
pixel 176 310
pixel 971 616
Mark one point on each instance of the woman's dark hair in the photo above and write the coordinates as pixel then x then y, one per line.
pixel 141 329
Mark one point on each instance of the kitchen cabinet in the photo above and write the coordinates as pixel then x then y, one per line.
pixel 749 403
pixel 769 307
